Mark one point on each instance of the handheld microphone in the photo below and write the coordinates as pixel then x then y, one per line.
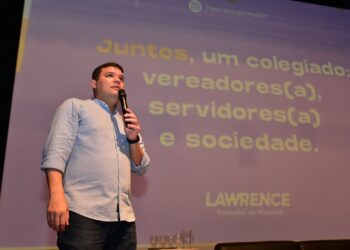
pixel 124 104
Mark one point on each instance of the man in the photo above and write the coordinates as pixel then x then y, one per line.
pixel 88 159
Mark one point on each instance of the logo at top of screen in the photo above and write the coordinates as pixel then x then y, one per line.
pixel 195 6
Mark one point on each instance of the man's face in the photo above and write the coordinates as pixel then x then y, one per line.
pixel 110 80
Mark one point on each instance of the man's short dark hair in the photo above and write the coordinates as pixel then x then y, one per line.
pixel 97 70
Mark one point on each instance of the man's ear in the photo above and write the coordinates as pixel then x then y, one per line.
pixel 93 84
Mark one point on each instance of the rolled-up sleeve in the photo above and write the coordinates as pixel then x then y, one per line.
pixel 145 162
pixel 61 138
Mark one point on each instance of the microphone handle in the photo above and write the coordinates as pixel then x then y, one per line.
pixel 123 102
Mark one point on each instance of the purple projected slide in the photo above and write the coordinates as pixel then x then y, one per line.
pixel 243 107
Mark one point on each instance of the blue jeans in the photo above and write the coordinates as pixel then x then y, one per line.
pixel 87 234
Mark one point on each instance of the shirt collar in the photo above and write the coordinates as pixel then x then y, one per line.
pixel 103 105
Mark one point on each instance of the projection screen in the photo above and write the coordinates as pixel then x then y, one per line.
pixel 243 105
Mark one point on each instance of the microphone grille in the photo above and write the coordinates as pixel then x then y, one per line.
pixel 121 93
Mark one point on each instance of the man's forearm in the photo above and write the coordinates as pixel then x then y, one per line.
pixel 54 182
pixel 136 153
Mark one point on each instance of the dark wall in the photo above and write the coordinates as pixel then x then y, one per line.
pixel 9 40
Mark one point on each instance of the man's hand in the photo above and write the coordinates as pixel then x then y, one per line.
pixel 57 209
pixel 133 128
pixel 132 132
pixel 57 212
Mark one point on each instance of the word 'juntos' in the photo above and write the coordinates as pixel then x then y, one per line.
pixel 137 49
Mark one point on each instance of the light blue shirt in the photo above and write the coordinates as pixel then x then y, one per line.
pixel 88 144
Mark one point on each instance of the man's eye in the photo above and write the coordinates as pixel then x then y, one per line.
pixel 109 75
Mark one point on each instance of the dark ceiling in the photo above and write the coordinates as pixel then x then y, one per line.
pixel 337 4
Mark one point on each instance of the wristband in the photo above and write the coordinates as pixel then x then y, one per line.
pixel 133 141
